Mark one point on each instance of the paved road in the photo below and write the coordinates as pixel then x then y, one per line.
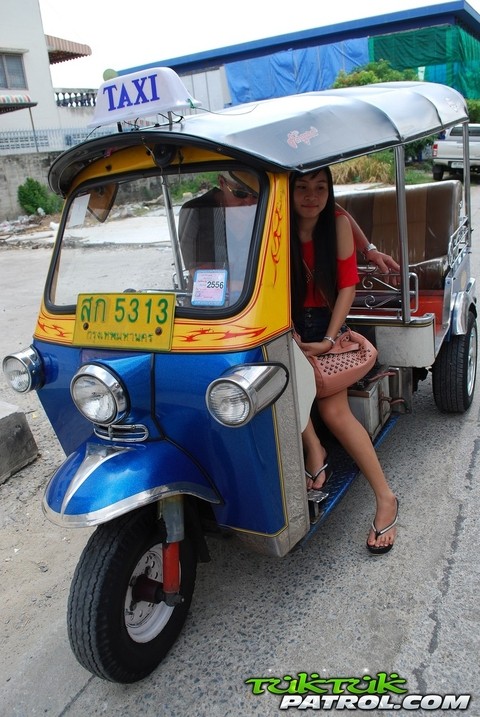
pixel 330 609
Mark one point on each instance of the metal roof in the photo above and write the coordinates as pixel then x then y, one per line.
pixel 298 132
pixel 457 12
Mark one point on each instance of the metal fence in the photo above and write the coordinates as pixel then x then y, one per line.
pixel 47 140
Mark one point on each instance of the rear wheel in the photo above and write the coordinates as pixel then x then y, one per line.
pixel 455 370
pixel 437 172
pixel 112 634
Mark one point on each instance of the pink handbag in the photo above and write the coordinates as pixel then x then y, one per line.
pixel 350 359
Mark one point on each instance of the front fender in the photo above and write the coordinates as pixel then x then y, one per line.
pixel 99 482
pixel 464 301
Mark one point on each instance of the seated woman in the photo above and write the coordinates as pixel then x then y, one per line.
pixel 324 275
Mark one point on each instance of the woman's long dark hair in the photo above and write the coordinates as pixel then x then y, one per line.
pixel 325 248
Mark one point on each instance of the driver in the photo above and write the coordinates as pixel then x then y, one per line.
pixel 215 229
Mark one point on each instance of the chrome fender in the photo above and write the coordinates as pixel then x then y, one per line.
pixel 99 482
pixel 462 303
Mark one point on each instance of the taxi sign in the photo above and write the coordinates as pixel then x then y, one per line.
pixel 125 321
pixel 140 94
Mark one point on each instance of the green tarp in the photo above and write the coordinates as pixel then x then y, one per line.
pixel 444 53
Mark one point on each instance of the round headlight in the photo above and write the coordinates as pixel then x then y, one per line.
pixel 23 370
pixel 237 396
pixel 98 395
pixel 228 403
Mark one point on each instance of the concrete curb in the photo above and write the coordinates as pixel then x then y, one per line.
pixel 17 444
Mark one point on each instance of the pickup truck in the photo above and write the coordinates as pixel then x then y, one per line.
pixel 447 152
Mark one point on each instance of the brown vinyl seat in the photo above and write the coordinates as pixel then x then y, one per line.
pixel 433 212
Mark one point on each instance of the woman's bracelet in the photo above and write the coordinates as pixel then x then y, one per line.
pixel 329 338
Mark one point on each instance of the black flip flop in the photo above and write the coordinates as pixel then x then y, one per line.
pixel 385 548
pixel 314 476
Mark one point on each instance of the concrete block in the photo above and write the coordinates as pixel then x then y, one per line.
pixel 17 444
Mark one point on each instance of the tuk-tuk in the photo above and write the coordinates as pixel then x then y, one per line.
pixel 163 353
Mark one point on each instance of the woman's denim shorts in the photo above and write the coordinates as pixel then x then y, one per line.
pixel 313 323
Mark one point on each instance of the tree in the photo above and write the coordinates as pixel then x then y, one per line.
pixel 372 73
pixel 33 196
pixel 474 111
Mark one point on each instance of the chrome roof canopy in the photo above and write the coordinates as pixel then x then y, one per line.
pixel 305 131
pixel 297 132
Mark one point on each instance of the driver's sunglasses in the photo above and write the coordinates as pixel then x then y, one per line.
pixel 240 193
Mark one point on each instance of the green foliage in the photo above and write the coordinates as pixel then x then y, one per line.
pixel 423 175
pixel 413 150
pixel 474 111
pixel 33 196
pixel 193 183
pixel 372 73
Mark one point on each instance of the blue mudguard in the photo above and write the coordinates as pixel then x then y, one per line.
pixel 99 482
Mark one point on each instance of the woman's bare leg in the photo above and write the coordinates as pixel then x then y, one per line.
pixel 315 456
pixel 337 416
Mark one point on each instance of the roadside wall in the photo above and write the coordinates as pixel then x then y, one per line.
pixel 14 170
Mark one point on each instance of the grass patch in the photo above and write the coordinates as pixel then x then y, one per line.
pixel 420 174
pixel 378 168
pixel 368 169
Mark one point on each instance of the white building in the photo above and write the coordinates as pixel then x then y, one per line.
pixel 29 105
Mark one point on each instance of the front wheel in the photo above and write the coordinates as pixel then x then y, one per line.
pixel 112 635
pixel 455 370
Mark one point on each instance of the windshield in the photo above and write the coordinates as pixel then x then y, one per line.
pixel 190 234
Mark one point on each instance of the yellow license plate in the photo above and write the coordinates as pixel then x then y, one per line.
pixel 125 321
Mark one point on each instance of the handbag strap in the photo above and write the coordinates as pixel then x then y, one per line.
pixel 308 271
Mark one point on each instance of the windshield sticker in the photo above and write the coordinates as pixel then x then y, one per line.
pixel 78 211
pixel 209 287
pixel 295 138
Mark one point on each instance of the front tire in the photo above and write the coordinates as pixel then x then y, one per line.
pixel 455 370
pixel 112 636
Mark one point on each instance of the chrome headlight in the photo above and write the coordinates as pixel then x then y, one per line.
pixel 24 370
pixel 98 395
pixel 236 397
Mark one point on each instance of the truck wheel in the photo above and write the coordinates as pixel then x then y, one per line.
pixel 455 370
pixel 111 635
pixel 437 172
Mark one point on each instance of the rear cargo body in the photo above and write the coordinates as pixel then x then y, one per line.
pixel 448 151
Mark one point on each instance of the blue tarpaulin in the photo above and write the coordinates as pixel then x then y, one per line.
pixel 293 71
